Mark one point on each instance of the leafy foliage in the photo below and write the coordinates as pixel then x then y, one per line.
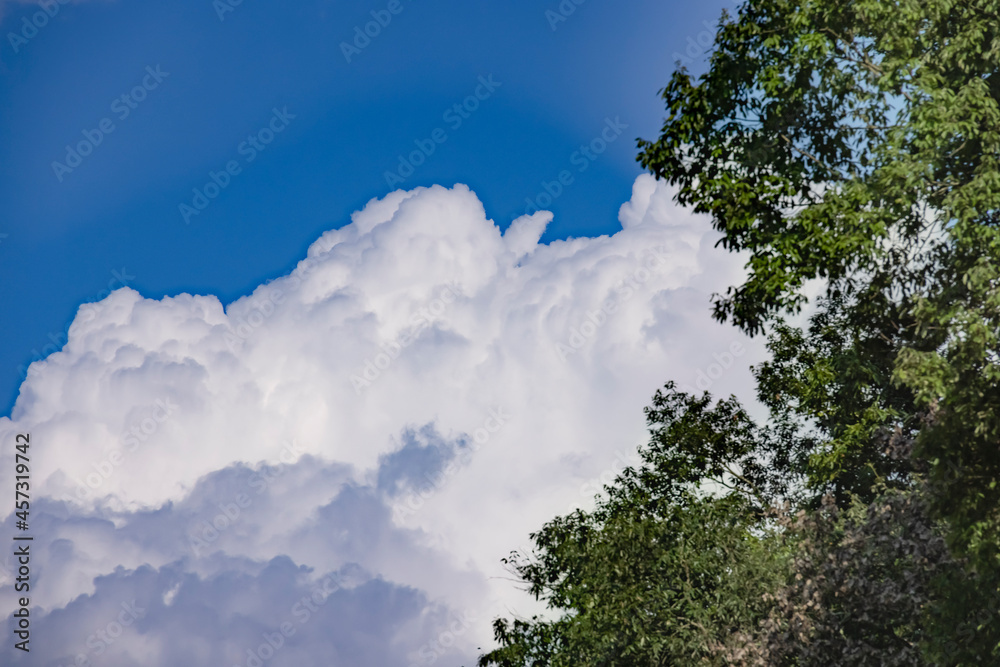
pixel 835 139
pixel 874 584
pixel 862 578
pixel 658 573
pixel 857 142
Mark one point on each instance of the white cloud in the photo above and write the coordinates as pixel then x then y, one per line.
pixel 416 358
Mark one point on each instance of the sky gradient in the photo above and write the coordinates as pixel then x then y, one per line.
pixel 325 323
pixel 118 211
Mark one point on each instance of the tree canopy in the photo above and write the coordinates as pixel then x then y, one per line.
pixel 855 142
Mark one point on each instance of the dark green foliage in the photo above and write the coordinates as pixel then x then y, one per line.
pixel 857 142
pixel 658 573
pixel 836 377
pixel 823 130
pixel 863 577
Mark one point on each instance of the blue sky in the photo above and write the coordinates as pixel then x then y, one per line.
pixel 118 210
pixel 350 314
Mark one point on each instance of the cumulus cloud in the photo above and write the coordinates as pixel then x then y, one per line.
pixel 410 402
pixel 196 581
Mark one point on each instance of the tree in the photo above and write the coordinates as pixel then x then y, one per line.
pixel 857 142
pixel 661 572
pixel 873 584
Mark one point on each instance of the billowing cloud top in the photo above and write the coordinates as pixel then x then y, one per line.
pixel 328 470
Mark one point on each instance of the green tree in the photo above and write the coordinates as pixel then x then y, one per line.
pixel 872 584
pixel 857 142
pixel 661 572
